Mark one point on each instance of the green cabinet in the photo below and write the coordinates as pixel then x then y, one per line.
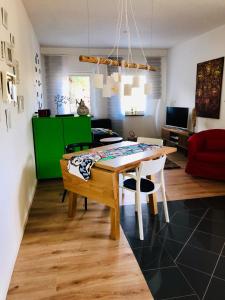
pixel 51 135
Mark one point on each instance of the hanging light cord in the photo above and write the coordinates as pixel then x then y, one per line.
pixel 117 29
pixel 137 30
pixel 88 25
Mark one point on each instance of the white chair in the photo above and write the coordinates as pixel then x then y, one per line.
pixel 145 140
pixel 138 183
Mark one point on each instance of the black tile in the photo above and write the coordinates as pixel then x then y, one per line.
pixel 216 202
pixel 198 280
pixel 207 241
pixel 198 259
pixel 216 290
pixel 173 248
pixel 220 269
pixel 153 257
pixel 212 227
pixel 177 233
pixel 149 234
pixel 184 219
pixel 217 215
pixel 167 283
pixel 197 212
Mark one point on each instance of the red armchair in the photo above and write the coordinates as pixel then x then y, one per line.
pixel 206 154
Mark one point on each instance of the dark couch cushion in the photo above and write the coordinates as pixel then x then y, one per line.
pixel 215 144
pixel 101 123
pixel 211 157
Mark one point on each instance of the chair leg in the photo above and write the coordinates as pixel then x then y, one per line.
pixel 136 206
pixel 140 221
pixel 164 199
pixel 85 203
pixel 64 195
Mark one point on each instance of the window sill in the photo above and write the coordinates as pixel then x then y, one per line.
pixel 134 114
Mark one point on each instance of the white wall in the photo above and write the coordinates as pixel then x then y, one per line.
pixel 17 167
pixel 182 67
pixel 149 125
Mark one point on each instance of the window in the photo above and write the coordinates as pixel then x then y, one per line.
pixel 134 104
pixel 79 88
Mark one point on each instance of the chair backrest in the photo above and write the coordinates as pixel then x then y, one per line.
pixel 151 167
pixel 77 147
pixel 150 141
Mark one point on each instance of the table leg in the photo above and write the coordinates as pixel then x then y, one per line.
pixel 153 200
pixel 72 204
pixel 153 204
pixel 115 211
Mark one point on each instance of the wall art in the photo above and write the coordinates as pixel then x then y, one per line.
pixel 208 88
pixel 9 87
pixel 20 104
pixel 12 40
pixel 4 17
pixel 9 54
pixel 1 87
pixel 16 71
pixel 2 53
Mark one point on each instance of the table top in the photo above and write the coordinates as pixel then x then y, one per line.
pixel 122 163
pixel 111 139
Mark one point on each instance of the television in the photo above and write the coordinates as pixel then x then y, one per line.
pixel 177 116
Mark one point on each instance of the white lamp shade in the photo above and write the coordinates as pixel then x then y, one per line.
pixel 136 81
pixel 109 80
pixel 127 89
pixel 98 81
pixel 116 76
pixel 115 88
pixel 147 89
pixel 106 92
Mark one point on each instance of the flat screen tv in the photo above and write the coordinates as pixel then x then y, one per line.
pixel 177 116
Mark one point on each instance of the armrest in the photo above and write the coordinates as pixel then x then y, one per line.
pixel 195 144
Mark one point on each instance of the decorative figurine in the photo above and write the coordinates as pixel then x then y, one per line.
pixel 82 109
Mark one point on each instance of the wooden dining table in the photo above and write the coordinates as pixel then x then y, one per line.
pixel 103 186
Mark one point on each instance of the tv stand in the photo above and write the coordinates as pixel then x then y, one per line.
pixel 176 137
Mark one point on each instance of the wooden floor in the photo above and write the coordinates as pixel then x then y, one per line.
pixel 62 259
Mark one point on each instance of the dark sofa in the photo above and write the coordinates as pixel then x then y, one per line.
pixel 101 128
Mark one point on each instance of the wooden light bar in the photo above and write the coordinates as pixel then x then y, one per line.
pixel 115 63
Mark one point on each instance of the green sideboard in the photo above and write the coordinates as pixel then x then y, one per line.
pixel 51 135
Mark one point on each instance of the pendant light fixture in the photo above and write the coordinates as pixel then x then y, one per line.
pixel 111 87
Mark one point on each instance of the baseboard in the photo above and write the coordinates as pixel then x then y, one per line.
pixel 24 226
pixel 28 211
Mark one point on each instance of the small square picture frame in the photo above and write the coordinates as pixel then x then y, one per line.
pixel 4 15
pixel 2 50
pixel 20 104
pixel 9 54
pixel 12 40
pixel 16 71
pixel 1 86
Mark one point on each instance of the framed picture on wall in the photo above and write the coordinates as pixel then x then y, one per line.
pixel 4 14
pixel 9 87
pixel 9 54
pixel 208 88
pixel 2 53
pixel 16 71
pixel 1 86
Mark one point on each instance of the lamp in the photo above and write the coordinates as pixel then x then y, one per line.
pixel 125 13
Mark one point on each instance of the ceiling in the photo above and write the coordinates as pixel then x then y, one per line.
pixel 64 23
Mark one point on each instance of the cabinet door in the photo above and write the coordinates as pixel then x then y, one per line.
pixel 77 130
pixel 49 146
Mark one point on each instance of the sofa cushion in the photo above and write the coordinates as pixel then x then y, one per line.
pixel 215 144
pixel 211 157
